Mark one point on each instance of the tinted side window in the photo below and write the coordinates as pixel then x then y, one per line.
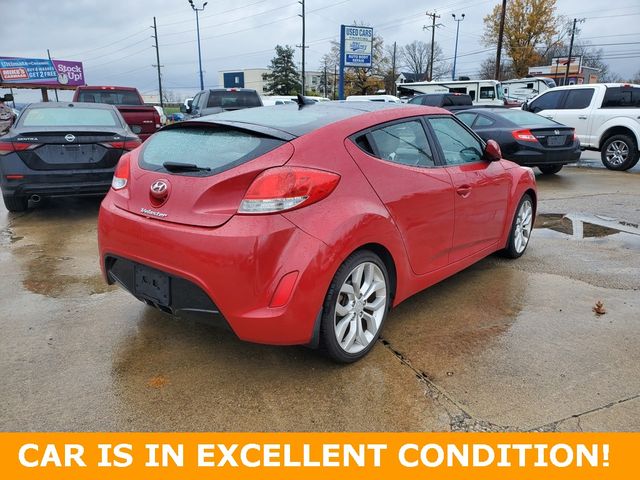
pixel 467 118
pixel 483 121
pixel 547 101
pixel 580 98
pixel 458 145
pixel 405 143
pixel 487 92
pixel 620 97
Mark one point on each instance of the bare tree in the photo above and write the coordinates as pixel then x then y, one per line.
pixel 488 69
pixel 415 58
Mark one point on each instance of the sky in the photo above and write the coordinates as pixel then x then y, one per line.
pixel 113 38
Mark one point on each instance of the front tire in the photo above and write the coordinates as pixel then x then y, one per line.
pixel 15 203
pixel 619 152
pixel 355 307
pixel 550 169
pixel 520 228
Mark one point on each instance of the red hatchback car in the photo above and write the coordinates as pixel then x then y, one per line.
pixel 305 225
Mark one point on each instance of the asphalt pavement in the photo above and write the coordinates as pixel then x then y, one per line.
pixel 504 345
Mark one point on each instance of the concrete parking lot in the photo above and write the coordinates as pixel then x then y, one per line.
pixel 504 345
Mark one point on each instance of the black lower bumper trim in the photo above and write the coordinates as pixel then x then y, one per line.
pixel 182 295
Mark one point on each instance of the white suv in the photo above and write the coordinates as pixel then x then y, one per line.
pixel 606 118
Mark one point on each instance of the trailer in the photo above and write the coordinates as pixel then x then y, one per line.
pixel 482 92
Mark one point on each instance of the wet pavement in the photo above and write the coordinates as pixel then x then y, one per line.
pixel 504 345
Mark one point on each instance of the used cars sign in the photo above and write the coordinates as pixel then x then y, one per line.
pixel 357 46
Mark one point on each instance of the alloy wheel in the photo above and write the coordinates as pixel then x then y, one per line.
pixel 360 307
pixel 617 152
pixel 524 222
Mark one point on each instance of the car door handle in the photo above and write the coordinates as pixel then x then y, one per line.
pixel 463 191
pixel 582 117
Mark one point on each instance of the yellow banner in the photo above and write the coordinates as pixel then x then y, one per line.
pixel 320 456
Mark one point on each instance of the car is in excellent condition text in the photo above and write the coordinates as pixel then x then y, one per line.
pixel 306 224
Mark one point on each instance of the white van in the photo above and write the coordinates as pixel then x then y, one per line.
pixel 482 92
pixel 523 89
pixel 373 98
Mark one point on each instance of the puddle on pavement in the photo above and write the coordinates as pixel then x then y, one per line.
pixel 7 237
pixel 595 228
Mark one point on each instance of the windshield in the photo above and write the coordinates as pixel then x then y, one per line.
pixel 69 117
pixel 522 118
pixel 212 148
pixel 112 97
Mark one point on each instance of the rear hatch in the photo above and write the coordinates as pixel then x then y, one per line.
pixel 206 169
pixel 72 150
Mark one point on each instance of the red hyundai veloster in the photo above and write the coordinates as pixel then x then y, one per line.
pixel 305 225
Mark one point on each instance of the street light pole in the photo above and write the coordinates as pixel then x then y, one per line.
pixel 197 10
pixel 455 54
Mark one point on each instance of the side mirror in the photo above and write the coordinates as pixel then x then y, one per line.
pixel 8 98
pixel 525 106
pixel 492 151
pixel 183 109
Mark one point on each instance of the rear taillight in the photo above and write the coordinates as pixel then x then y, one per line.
pixel 575 136
pixel 524 135
pixel 121 175
pixel 128 145
pixel 286 188
pixel 9 147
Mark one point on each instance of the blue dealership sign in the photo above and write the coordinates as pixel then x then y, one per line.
pixel 357 45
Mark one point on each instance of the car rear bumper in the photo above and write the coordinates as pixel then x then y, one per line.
pixel 530 157
pixel 233 269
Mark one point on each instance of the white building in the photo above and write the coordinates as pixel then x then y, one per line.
pixel 254 78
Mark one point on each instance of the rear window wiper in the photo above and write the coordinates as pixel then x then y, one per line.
pixel 184 167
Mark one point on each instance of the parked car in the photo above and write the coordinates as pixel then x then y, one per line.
pixel 61 149
pixel 217 100
pixel 374 98
pixel 606 118
pixel 526 138
pixel 448 101
pixel 270 100
pixel 305 224
pixel 7 114
pixel 176 117
pixel 143 119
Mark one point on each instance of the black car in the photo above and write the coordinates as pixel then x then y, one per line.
pixel 62 149
pixel 448 101
pixel 526 138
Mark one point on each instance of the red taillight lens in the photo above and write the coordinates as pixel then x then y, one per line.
pixel 286 188
pixel 575 137
pixel 9 147
pixel 524 136
pixel 121 175
pixel 128 145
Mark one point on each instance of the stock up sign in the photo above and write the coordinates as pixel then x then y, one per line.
pixel 40 72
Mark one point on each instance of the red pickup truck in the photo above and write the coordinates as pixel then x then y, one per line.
pixel 143 119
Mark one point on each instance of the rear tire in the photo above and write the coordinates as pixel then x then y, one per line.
pixel 521 228
pixel 550 169
pixel 15 203
pixel 619 152
pixel 355 307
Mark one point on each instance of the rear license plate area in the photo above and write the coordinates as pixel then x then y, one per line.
pixel 152 285
pixel 556 140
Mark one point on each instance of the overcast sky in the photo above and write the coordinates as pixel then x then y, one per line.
pixel 112 38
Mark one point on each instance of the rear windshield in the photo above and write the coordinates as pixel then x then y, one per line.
pixel 231 99
pixel 69 117
pixel 112 97
pixel 216 148
pixel 520 117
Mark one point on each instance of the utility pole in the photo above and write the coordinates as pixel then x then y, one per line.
pixel 157 47
pixel 335 79
pixel 303 46
pixel 573 32
pixel 393 69
pixel 500 35
pixel 325 81
pixel 198 10
pixel 55 89
pixel 433 36
pixel 455 54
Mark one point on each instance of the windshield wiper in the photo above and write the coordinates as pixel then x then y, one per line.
pixel 184 167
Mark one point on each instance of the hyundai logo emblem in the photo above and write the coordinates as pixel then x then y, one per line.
pixel 160 191
pixel 556 132
pixel 69 138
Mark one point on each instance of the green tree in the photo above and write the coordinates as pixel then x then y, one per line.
pixel 284 78
pixel 531 28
